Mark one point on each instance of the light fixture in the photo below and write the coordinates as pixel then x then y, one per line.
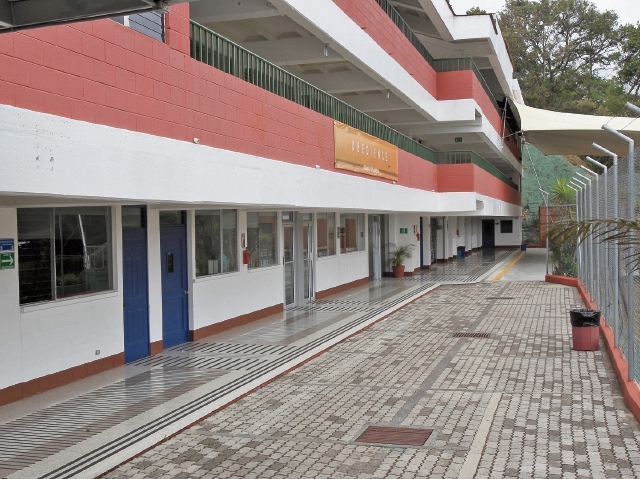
pixel 388 93
pixel 326 49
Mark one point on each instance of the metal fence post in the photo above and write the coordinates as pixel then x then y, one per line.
pixel 578 259
pixel 630 248
pixel 605 244
pixel 596 271
pixel 591 279
pixel 583 215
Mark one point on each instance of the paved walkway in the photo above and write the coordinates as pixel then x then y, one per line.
pixel 86 428
pixel 532 266
pixel 518 403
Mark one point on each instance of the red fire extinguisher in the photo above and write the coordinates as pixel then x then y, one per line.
pixel 245 256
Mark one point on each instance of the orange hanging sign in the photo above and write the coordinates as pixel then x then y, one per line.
pixel 360 152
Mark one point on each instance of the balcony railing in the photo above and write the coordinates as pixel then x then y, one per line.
pixel 442 65
pixel 223 54
pixel 462 157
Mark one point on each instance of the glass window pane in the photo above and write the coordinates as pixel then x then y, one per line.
pixel 35 246
pixel 133 217
pixel 172 217
pixel 207 224
pixel 331 233
pixel 261 239
pixel 351 232
pixel 321 226
pixel 82 250
pixel 230 240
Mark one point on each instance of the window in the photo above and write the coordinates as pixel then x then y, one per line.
pixel 261 239
pixel 149 23
pixel 326 226
pixel 63 252
pixel 216 242
pixel 351 232
pixel 506 226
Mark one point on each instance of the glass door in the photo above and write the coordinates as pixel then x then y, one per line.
pixel 289 265
pixel 376 244
pixel 307 260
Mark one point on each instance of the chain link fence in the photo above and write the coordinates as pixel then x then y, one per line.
pixel 608 268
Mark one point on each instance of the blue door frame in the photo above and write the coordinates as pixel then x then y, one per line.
pixel 135 293
pixel 175 290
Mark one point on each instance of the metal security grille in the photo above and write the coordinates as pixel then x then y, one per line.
pixel 404 436
pixel 471 335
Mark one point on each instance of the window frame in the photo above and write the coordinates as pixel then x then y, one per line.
pixel 330 235
pixel 55 214
pixel 221 242
pixel 276 238
pixel 360 236
pixel 503 224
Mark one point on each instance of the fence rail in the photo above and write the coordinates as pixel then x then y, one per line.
pixel 223 54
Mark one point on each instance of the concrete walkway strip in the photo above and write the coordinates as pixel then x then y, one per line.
pixel 470 466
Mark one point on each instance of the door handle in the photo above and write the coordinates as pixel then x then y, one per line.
pixel 186 292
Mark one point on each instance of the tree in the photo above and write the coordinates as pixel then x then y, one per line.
pixel 561 194
pixel 476 11
pixel 629 73
pixel 559 49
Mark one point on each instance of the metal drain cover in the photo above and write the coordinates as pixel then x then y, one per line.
pixel 404 436
pixel 500 297
pixel 471 335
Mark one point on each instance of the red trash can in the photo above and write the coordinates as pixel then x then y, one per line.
pixel 585 329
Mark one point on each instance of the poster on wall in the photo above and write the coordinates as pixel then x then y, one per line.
pixel 357 151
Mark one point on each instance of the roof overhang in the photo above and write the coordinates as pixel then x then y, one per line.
pixel 556 133
pixel 22 14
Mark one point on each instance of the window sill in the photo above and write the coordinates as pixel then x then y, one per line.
pixel 212 277
pixel 354 252
pixel 63 302
pixel 325 258
pixel 264 268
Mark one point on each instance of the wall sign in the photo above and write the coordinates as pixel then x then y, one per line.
pixel 360 152
pixel 458 139
pixel 7 244
pixel 7 260
pixel 404 231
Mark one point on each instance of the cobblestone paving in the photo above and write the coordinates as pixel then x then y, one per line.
pixel 518 404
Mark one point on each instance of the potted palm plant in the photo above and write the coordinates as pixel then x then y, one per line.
pixel 397 256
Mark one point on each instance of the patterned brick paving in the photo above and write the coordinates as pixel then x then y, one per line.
pixel 522 399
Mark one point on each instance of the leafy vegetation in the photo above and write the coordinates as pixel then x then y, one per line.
pixel 570 57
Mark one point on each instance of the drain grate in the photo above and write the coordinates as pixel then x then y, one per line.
pixel 471 335
pixel 500 297
pixel 402 436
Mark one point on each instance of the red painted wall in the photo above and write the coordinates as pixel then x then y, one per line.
pixel 102 72
pixel 470 177
pixel 368 15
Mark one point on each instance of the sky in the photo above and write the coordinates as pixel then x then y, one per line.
pixel 628 10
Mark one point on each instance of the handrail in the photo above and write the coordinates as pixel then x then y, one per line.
pixel 440 65
pixel 459 157
pixel 223 54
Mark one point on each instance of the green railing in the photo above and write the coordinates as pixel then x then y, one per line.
pixel 221 53
pixel 461 157
pixel 442 65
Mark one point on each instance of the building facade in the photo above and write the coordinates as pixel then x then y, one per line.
pixel 169 176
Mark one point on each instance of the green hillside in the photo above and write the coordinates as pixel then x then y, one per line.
pixel 548 168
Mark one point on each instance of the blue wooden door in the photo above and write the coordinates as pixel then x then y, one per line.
pixel 136 304
pixel 175 304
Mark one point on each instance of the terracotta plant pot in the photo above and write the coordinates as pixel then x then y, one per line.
pixel 398 271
